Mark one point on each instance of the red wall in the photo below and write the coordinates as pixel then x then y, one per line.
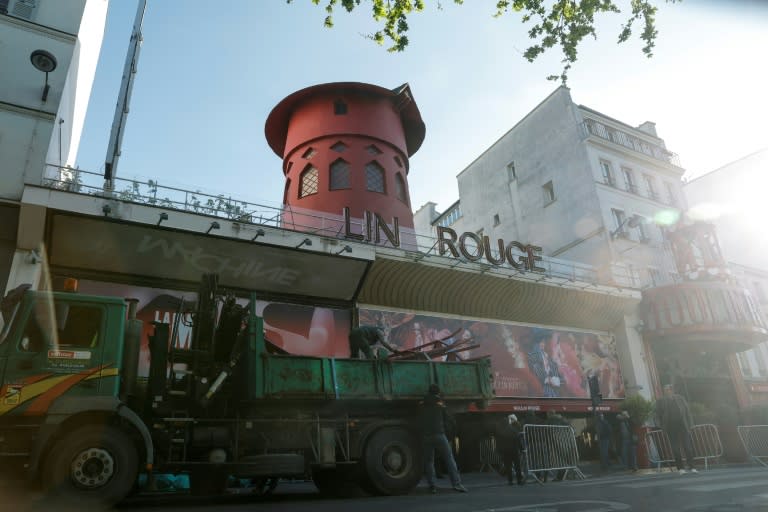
pixel 369 121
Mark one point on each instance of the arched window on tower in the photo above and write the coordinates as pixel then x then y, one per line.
pixel 339 174
pixel 286 191
pixel 309 180
pixel 374 177
pixel 400 190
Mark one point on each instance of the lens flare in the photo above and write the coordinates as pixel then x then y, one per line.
pixel 666 217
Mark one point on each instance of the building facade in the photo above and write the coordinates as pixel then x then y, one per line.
pixel 592 189
pixel 731 198
pixel 49 55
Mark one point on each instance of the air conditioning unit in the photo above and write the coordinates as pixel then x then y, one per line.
pixel 24 9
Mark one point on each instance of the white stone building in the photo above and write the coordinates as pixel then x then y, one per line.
pixel 41 114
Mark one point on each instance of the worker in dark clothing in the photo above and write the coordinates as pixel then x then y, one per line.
pixel 433 421
pixel 509 442
pixel 604 433
pixel 362 338
pixel 675 418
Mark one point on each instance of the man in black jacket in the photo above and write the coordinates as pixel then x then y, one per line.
pixel 509 442
pixel 675 418
pixel 433 421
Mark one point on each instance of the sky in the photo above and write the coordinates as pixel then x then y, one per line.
pixel 208 78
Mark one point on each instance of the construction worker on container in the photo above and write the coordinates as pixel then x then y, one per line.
pixel 434 417
pixel 362 339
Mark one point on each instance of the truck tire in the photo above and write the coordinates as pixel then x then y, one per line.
pixel 96 464
pixel 393 462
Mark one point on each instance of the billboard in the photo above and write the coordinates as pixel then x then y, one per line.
pixel 530 362
pixel 296 328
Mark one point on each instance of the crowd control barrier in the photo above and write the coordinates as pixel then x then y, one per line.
pixel 754 438
pixel 705 440
pixel 659 448
pixel 551 448
pixel 706 443
pixel 490 458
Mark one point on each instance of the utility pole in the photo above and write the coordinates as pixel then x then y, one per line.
pixel 123 100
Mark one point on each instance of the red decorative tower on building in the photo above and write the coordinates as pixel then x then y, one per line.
pixel 345 145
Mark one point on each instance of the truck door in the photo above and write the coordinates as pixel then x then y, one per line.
pixel 56 349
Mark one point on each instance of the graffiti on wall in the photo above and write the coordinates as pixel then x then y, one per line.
pixel 526 361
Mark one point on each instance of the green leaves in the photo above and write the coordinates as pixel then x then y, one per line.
pixel 559 24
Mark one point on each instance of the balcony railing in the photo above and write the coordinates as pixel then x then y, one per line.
pixel 151 193
pixel 592 127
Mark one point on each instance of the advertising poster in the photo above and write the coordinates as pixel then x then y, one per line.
pixel 526 361
pixel 297 329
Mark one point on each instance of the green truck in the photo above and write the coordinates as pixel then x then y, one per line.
pixel 75 416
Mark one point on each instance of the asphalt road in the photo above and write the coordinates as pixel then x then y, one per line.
pixel 736 489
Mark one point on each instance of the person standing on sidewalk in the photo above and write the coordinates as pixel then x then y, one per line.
pixel 675 419
pixel 604 433
pixel 628 441
pixel 509 439
pixel 434 417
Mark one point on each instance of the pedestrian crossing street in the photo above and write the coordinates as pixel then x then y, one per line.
pixel 714 480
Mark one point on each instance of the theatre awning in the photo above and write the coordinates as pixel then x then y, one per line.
pixel 402 281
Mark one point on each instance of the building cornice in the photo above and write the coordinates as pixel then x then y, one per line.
pixel 36 28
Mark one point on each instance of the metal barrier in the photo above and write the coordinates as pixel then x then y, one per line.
pixel 659 448
pixel 490 458
pixel 754 438
pixel 551 448
pixel 705 441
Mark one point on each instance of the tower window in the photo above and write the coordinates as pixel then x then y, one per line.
pixel 339 108
pixel 496 220
pixel 398 161
pixel 309 180
pixel 339 147
pixel 374 177
pixel 400 188
pixel 549 192
pixel 340 175
pixel 511 171
pixel 287 190
pixel 309 153
pixel 373 150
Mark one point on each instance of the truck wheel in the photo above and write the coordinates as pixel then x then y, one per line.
pixel 393 462
pixel 96 464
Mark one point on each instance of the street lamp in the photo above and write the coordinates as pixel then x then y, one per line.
pixel 43 61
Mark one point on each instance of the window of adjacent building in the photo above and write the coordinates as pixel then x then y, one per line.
pixel 746 368
pixel 339 108
pixel 309 153
pixel 373 150
pixel 629 179
pixel 642 231
pixel 607 171
pixel 374 177
pixel 309 181
pixel 654 276
pixel 650 186
pixel 339 147
pixel 549 192
pixel 619 221
pixel 511 172
pixel 450 216
pixel 340 174
pixel 760 360
pixel 671 198
pixel 496 220
pixel 400 189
